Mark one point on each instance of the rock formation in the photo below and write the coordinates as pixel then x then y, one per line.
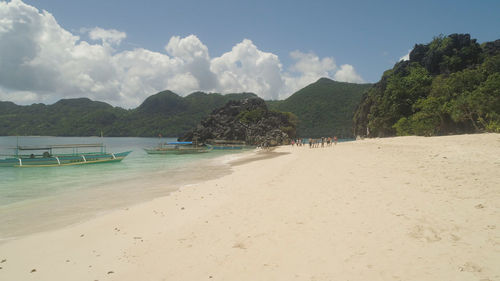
pixel 247 120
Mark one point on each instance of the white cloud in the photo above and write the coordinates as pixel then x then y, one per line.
pixel 194 62
pixel 246 68
pixel 312 64
pixel 405 57
pixel 346 73
pixel 188 48
pixel 42 62
pixel 110 36
pixel 308 68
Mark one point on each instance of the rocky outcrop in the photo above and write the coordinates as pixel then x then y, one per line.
pixel 247 120
pixel 492 48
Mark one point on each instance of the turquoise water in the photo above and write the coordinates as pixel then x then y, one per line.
pixel 41 198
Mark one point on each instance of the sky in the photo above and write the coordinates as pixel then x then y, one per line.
pixel 123 51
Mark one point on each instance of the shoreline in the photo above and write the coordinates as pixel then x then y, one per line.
pixel 406 208
pixel 65 216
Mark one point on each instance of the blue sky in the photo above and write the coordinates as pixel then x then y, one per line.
pixel 367 36
pixel 370 35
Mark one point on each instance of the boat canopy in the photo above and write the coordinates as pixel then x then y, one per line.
pixel 56 146
pixel 227 142
pixel 180 142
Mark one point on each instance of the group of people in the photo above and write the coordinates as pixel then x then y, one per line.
pixel 313 143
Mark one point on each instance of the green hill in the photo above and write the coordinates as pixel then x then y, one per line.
pixel 164 113
pixel 168 114
pixel 324 108
pixel 67 117
pixel 450 85
pixel 164 103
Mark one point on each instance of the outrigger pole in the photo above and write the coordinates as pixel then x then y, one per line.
pixel 17 146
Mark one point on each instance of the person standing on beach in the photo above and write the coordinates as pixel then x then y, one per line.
pixel 310 142
pixel 335 139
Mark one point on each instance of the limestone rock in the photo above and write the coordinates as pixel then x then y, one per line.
pixel 246 120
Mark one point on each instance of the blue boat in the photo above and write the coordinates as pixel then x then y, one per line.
pixel 180 147
pixel 60 155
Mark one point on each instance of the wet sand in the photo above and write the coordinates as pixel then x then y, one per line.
pixel 408 208
pixel 69 207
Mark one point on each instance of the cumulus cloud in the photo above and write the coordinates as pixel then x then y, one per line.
pixel 110 36
pixel 307 68
pixel 346 73
pixel 312 64
pixel 42 62
pixel 194 62
pixel 246 68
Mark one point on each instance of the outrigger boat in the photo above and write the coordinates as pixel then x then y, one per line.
pixel 180 147
pixel 227 144
pixel 60 155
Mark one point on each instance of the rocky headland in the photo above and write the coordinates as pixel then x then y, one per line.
pixel 247 120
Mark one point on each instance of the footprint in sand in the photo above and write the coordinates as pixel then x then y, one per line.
pixel 428 234
pixel 239 245
pixel 454 237
pixel 470 267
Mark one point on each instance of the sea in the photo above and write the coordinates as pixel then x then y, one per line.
pixel 38 199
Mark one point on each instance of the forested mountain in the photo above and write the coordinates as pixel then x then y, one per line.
pixel 450 85
pixel 164 113
pixel 324 108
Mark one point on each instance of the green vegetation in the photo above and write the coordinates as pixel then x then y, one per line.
pixel 321 109
pixel 164 113
pixel 451 85
pixel 292 120
pixel 324 108
pixel 252 116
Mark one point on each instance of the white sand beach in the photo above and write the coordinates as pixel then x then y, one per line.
pixel 406 208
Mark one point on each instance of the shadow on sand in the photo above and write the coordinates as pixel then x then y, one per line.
pixel 261 155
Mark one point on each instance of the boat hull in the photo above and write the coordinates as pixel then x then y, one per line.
pixel 64 160
pixel 177 151
pixel 228 147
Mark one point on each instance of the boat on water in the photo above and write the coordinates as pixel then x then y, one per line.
pixel 227 144
pixel 60 155
pixel 181 147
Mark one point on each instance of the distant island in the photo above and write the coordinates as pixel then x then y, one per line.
pixel 324 108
